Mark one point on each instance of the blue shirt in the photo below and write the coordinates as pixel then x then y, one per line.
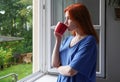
pixel 81 57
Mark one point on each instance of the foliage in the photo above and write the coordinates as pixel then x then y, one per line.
pixel 26 70
pixel 115 3
pixel 8 50
pixel 5 57
pixel 1 56
pixel 16 21
pixel 17 17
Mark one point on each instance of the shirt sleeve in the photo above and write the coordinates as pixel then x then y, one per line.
pixel 84 60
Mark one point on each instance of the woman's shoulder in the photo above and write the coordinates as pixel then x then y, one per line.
pixel 90 38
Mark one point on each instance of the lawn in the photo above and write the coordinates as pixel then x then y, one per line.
pixel 21 69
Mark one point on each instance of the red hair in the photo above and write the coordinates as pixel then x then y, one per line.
pixel 80 15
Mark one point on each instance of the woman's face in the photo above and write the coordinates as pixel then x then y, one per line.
pixel 71 25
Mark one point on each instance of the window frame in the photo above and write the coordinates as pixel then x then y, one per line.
pixel 101 28
pixel 38 42
pixel 42 39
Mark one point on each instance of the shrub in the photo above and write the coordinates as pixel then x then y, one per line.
pixel 5 57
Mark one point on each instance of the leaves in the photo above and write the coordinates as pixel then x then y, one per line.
pixel 16 21
pixel 115 3
pixel 17 14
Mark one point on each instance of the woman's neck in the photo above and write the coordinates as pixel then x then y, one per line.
pixel 76 39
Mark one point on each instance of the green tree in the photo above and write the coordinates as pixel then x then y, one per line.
pixel 17 17
pixel 16 20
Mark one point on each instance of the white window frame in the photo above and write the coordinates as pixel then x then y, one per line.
pixel 100 27
pixel 41 35
pixel 39 42
pixel 42 39
pixel 38 35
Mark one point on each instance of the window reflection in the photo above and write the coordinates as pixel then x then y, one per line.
pixel 59 5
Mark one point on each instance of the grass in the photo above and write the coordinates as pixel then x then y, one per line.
pixel 21 69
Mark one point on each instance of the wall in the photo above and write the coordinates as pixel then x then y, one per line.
pixel 112 47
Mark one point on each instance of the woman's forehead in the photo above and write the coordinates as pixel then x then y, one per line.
pixel 66 14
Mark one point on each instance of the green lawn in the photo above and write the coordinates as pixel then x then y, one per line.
pixel 21 69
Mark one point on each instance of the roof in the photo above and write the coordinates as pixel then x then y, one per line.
pixel 9 38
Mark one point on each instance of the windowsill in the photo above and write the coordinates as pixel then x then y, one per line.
pixel 32 77
pixel 40 77
pixel 47 78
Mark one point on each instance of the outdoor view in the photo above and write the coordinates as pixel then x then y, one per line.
pixel 15 39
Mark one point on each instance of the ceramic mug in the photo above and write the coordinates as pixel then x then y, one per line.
pixel 60 28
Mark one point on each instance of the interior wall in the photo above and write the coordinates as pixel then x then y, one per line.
pixel 112 47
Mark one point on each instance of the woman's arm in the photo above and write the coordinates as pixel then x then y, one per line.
pixel 66 70
pixel 55 54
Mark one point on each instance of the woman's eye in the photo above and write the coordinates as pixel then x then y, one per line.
pixel 68 18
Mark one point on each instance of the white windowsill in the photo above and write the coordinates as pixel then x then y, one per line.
pixel 32 77
pixel 47 78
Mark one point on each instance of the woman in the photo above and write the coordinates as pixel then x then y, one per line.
pixel 75 57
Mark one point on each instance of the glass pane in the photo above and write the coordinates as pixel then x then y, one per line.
pixel 15 39
pixel 58 6
pixel 52 40
pixel 58 15
pixel 57 10
pixel 93 7
pixel 98 55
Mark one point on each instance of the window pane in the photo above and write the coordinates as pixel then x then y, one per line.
pixel 98 55
pixel 52 40
pixel 57 10
pixel 93 7
pixel 59 5
pixel 15 53
pixel 57 13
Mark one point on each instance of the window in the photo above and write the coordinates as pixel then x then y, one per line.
pixel 15 22
pixel 55 11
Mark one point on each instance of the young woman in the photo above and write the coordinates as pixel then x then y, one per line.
pixel 75 57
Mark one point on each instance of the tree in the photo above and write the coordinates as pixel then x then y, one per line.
pixel 17 17
pixel 16 20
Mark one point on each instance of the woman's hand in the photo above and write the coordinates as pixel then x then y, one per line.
pixel 57 36
pixel 66 70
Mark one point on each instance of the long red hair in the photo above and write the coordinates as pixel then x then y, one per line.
pixel 80 14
